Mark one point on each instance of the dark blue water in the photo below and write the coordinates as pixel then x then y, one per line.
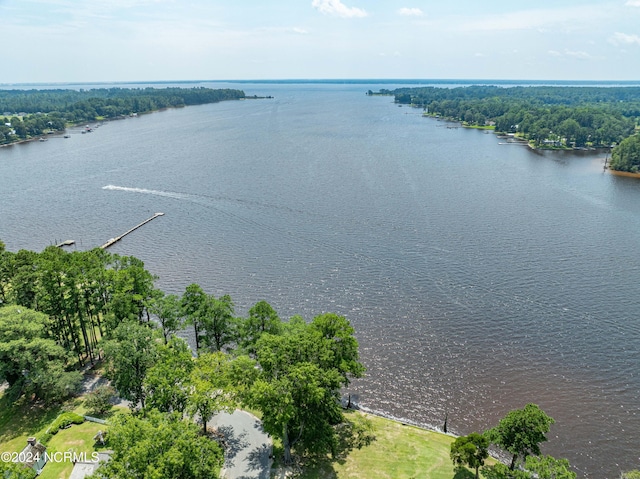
pixel 479 276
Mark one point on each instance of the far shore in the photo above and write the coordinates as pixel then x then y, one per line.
pixel 623 173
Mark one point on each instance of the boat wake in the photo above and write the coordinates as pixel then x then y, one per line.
pixel 167 194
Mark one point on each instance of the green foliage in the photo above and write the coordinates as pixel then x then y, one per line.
pixel 501 471
pixel 167 382
pixel 470 450
pixel 192 303
pixel 626 156
pixel 31 361
pixel 50 110
pixel 550 116
pixel 338 338
pixel 64 420
pixel 262 319
pixel 84 294
pixel 160 446
pixel 635 474
pixel 521 432
pixel 548 467
pixel 211 389
pixel 168 312
pixel 302 372
pixel 12 470
pixel 218 322
pixel 99 401
pixel 129 355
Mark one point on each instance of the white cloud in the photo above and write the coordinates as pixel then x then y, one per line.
pixel 411 12
pixel 336 7
pixel 578 54
pixel 633 3
pixel 624 39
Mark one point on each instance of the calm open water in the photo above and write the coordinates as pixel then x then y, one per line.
pixel 479 276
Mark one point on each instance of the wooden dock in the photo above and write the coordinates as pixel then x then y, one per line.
pixel 118 238
pixel 66 243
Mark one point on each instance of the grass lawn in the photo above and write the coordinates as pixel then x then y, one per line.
pixel 398 452
pixel 79 439
pixel 23 418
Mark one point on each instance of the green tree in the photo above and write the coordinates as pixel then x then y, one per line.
pixel 262 319
pixel 470 450
pixel 29 360
pixel 192 303
pixel 160 446
pixel 300 407
pixel 99 400
pixel 218 325
pixel 338 337
pixel 167 382
pixel 626 156
pixel 548 467
pixel 521 432
pixel 129 356
pixel 211 390
pixel 6 272
pixel 167 310
pixel 298 390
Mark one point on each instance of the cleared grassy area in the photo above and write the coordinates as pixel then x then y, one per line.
pixel 22 419
pixel 398 452
pixel 79 439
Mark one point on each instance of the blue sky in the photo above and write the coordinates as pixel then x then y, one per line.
pixel 155 40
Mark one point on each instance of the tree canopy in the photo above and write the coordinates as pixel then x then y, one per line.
pixel 160 446
pixel 36 112
pixel 301 373
pixel 549 116
pixel 29 360
pixel 626 156
pixel 470 450
pixel 521 432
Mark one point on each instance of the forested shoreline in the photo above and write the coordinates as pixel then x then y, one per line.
pixel 26 114
pixel 63 311
pixel 546 116
pixel 60 311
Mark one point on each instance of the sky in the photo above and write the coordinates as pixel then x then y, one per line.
pixel 170 40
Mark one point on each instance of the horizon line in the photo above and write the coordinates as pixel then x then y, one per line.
pixel 324 80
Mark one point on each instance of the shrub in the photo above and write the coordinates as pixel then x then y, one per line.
pixel 63 420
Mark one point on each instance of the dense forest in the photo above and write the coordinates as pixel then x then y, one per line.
pixel 27 114
pixel 547 116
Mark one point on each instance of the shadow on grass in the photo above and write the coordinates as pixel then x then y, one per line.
pixel 24 416
pixel 464 474
pixel 354 433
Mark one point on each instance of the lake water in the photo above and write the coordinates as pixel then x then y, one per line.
pixel 479 276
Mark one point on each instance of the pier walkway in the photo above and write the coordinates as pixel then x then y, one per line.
pixel 112 241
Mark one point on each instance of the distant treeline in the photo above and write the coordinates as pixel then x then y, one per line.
pixel 548 116
pixel 30 113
